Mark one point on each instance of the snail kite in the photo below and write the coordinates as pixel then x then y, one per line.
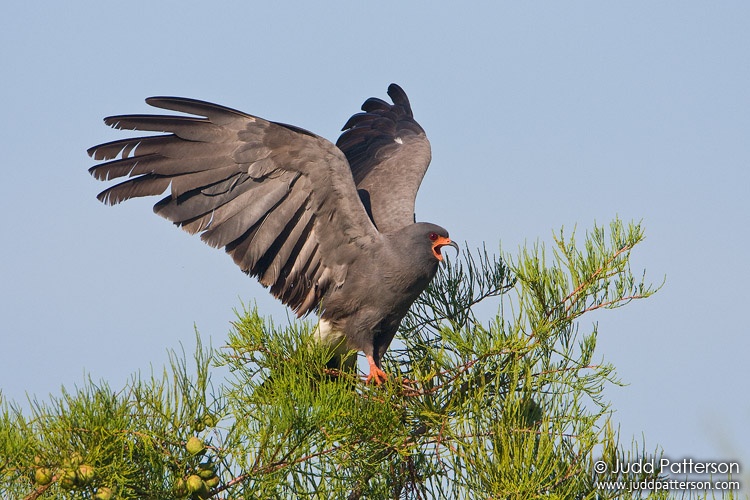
pixel 329 228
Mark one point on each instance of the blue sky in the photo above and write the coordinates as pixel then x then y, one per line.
pixel 541 115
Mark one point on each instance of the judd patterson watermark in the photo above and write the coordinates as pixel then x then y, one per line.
pixel 668 466
pixel 664 470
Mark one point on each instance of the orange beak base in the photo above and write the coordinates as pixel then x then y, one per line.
pixel 439 243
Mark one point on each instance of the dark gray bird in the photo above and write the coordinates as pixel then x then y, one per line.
pixel 328 228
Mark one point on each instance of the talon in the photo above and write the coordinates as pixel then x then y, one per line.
pixel 377 376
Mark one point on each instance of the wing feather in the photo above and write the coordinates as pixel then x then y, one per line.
pixel 298 225
pixel 239 218
pixel 145 185
pixel 272 227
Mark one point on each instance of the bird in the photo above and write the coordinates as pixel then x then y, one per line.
pixel 328 228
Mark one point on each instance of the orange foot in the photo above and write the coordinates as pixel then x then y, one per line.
pixel 377 376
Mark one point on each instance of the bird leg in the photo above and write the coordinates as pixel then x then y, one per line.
pixel 376 375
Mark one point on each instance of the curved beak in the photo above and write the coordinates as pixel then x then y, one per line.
pixel 440 243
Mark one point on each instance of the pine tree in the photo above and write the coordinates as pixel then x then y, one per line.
pixel 511 407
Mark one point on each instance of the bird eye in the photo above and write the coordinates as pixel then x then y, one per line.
pixel 433 236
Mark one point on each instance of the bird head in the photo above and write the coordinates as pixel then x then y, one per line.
pixel 438 242
pixel 433 237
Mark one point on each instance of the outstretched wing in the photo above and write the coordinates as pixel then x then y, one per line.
pixel 279 199
pixel 389 153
